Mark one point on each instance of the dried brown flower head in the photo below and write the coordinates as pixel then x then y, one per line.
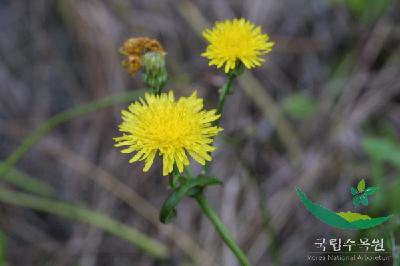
pixel 134 48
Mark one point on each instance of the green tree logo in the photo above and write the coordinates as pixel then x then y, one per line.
pixel 360 195
pixel 345 220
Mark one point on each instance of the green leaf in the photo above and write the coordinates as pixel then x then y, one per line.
pixel 361 186
pixel 353 191
pixel 364 199
pixel 299 106
pixel 188 189
pixel 370 191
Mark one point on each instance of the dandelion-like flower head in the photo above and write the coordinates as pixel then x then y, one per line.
pixel 236 40
pixel 160 125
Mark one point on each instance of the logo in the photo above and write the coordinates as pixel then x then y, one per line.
pixel 345 220
pixel 360 195
pixel 349 250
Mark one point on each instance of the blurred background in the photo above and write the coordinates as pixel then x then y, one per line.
pixel 321 113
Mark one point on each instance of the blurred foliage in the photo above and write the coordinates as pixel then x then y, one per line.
pixel 72 211
pixel 395 249
pixel 382 150
pixel 299 106
pixel 384 162
pixel 89 27
pixel 29 183
pixel 367 10
pixel 79 213
pixel 2 249
pixel 341 71
pixel 61 118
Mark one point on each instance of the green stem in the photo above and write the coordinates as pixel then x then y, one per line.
pixel 223 93
pixel 76 212
pixel 60 118
pixel 225 90
pixel 221 229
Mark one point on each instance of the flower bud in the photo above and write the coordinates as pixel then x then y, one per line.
pixel 154 71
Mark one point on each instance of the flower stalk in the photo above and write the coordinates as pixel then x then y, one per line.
pixel 221 229
pixel 224 92
pixel 227 87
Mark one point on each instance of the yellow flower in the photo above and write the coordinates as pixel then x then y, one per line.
pixel 233 40
pixel 159 124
